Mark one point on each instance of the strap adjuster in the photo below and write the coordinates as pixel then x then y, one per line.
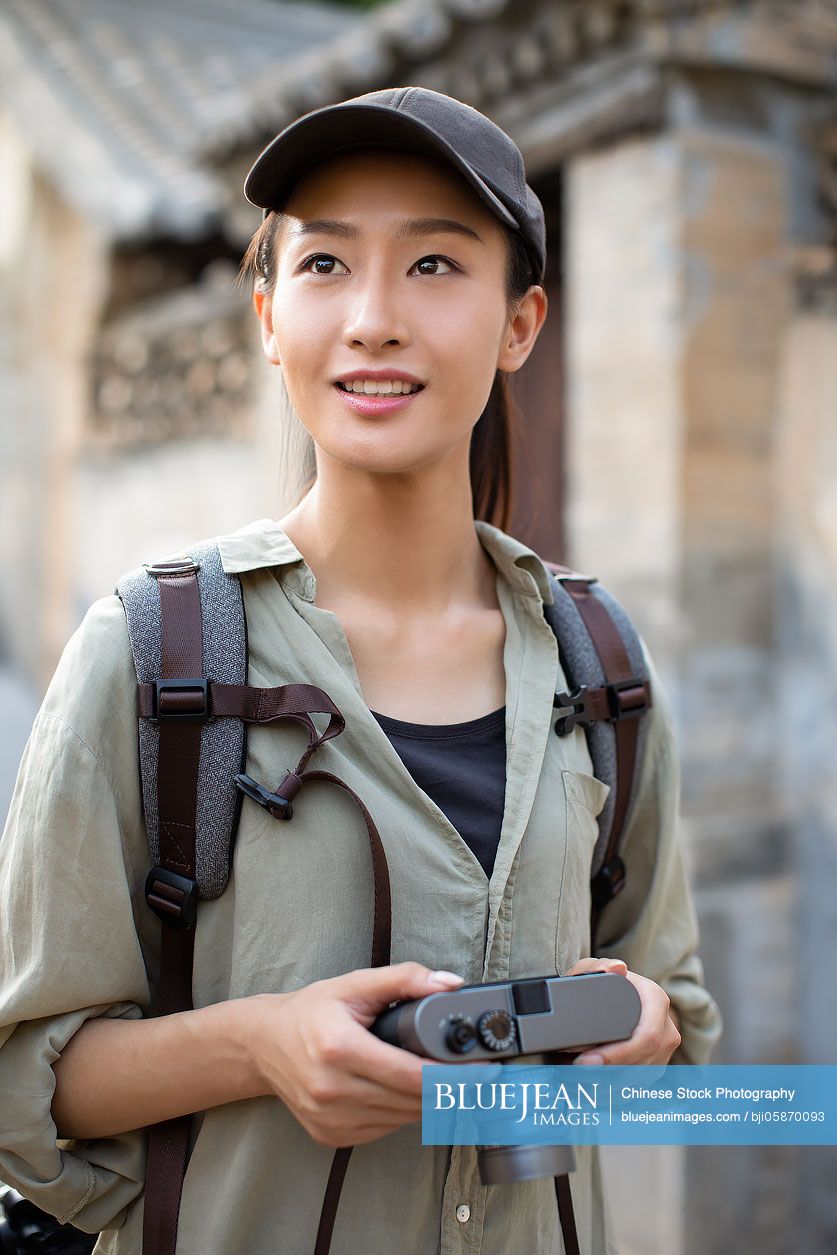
pixel 608 882
pixel 172 898
pixel 627 698
pixel 181 700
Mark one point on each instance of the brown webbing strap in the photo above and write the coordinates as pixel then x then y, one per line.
pixel 382 901
pixel 381 957
pixel 566 1214
pixel 336 1177
pixel 254 705
pixel 177 783
pixel 290 701
pixel 616 666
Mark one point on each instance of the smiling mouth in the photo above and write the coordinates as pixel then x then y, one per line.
pixel 405 389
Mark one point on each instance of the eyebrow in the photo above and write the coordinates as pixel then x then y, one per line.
pixel 407 229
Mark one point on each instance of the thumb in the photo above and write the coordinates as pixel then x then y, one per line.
pixel 593 964
pixel 370 989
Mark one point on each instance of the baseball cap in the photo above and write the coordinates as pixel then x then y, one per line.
pixel 422 121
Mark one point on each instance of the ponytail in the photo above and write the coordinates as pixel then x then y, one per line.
pixel 491 458
pixel 491 455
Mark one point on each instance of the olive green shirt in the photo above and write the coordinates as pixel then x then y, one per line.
pixel 78 940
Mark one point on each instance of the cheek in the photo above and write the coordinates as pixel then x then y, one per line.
pixel 302 332
pixel 464 341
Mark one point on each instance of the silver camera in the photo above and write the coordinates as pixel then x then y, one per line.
pixel 538 1020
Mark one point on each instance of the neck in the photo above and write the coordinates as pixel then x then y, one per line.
pixel 402 541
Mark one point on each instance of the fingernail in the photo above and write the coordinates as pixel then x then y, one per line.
pixel 590 1060
pixel 443 977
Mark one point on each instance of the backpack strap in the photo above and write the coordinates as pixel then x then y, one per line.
pixel 181 698
pixel 609 692
pixel 171 889
pixel 610 689
pixel 186 617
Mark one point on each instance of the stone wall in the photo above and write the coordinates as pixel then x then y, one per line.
pixel 702 462
pixel 88 489
pixel 50 293
pixel 806 600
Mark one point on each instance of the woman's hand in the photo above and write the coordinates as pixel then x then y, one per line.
pixel 656 1036
pixel 311 1048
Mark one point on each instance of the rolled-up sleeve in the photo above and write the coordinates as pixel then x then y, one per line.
pixel 652 923
pixel 69 943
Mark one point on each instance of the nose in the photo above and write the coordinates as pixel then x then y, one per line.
pixel 375 315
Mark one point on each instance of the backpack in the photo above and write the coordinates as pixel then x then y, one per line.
pixel 188 637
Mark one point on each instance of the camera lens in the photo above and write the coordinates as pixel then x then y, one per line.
pixel 461 1037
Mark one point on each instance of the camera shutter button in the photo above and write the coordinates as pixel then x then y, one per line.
pixel 496 1030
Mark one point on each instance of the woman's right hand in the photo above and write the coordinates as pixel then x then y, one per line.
pixel 311 1048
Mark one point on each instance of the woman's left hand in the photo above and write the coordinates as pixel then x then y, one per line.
pixel 656 1036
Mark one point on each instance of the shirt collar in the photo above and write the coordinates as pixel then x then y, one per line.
pixel 263 543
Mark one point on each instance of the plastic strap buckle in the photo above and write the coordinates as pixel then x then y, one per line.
pixel 581 708
pixel 608 882
pixel 627 698
pixel 172 898
pixel 279 806
pixel 193 706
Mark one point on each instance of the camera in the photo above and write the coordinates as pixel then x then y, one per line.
pixel 537 1020
pixel 24 1228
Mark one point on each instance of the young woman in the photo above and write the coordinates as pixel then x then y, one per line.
pixel 397 283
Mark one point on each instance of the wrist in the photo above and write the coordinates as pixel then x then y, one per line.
pixel 233 1025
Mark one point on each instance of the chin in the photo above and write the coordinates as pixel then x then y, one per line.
pixel 382 456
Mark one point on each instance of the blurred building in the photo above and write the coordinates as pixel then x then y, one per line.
pixel 680 437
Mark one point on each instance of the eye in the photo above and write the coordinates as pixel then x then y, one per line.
pixel 319 257
pixel 434 258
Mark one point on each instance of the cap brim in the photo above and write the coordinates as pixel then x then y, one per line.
pixel 317 135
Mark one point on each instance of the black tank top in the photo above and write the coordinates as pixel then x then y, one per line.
pixel 462 767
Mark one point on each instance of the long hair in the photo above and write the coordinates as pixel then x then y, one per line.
pixel 490 456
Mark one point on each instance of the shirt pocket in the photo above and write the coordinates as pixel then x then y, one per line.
pixel 584 797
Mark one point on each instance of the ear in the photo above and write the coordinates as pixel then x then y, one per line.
pixel 264 312
pixel 523 329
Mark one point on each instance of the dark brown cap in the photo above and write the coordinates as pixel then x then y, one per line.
pixel 420 120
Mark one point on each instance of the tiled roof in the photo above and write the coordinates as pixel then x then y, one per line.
pixel 118 99
pixel 491 52
pixel 134 106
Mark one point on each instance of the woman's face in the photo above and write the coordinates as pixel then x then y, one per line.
pixel 371 292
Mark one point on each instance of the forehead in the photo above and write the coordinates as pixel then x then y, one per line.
pixel 387 186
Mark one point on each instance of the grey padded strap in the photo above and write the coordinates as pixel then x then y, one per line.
pixel 582 666
pixel 223 740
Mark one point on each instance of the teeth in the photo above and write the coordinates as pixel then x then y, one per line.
pixel 380 387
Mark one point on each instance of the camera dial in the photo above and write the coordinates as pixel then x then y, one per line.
pixel 497 1030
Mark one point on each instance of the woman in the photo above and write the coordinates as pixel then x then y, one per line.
pixel 400 255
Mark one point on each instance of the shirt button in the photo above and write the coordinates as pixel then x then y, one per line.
pixel 463 1213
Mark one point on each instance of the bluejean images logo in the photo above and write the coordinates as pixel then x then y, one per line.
pixel 537 1101
pixel 676 1104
